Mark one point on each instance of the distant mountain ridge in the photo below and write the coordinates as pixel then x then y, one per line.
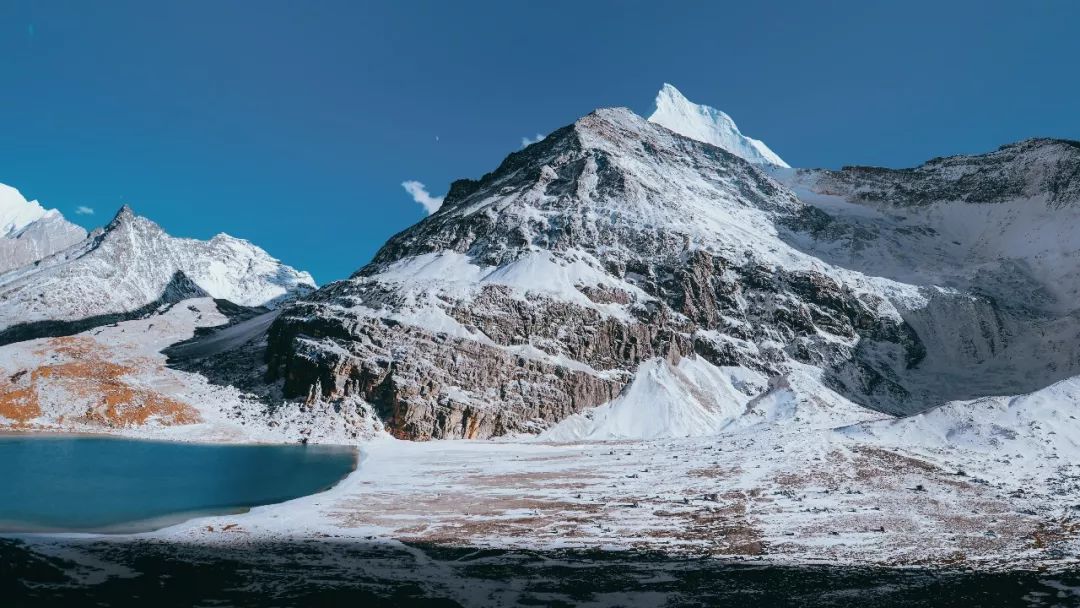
pixel 29 232
pixel 119 270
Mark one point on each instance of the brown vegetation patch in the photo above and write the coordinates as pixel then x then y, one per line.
pixel 532 479
pixel 19 404
pixel 898 461
pixel 724 523
pixel 110 400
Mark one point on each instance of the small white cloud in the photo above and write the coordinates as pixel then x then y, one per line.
pixel 525 141
pixel 84 210
pixel 420 194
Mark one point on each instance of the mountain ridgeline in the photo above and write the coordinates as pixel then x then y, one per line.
pixel 129 269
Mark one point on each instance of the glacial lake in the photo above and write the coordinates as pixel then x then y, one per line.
pixel 102 484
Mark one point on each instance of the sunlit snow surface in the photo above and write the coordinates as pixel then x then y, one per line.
pixel 29 232
pixel 16 212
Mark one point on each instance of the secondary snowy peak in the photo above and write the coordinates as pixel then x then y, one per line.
pixel 703 123
pixel 992 236
pixel 16 212
pixel 29 232
pixel 131 264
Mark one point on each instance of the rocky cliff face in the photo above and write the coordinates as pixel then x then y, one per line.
pixel 536 291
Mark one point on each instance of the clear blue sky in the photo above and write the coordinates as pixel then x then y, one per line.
pixel 293 124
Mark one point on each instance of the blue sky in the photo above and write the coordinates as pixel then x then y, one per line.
pixel 293 124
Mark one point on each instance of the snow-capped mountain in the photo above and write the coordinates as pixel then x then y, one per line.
pixel 29 232
pixel 700 122
pixel 129 268
pixel 562 280
pixel 538 291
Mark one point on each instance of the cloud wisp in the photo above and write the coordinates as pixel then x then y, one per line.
pixel 84 210
pixel 419 193
pixel 526 142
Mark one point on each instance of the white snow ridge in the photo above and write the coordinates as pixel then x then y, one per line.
pixel 709 125
pixel 16 212
pixel 29 232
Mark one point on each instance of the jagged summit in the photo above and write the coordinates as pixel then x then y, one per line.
pixel 124 214
pixel 703 123
pixel 599 184
pixel 1038 142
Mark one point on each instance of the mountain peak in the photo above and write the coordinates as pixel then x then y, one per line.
pixel 703 123
pixel 125 212
pixel 125 215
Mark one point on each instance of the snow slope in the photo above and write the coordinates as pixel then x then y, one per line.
pixel 709 125
pixel 1028 428
pixel 689 399
pixel 696 398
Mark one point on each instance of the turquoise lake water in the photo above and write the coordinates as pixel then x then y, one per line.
pixel 98 484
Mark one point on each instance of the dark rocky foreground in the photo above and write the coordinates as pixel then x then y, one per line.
pixel 326 573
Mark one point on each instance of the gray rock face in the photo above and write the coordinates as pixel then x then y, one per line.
pixel 536 291
pixel 1047 168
